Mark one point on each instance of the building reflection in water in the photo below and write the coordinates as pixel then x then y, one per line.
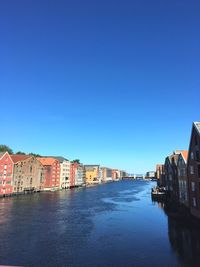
pixel 184 237
pixel 6 205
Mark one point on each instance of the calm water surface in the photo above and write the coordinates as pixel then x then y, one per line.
pixel 114 225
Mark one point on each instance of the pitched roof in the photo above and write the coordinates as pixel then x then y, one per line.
pixel 46 161
pixel 59 158
pixel 184 154
pixel 197 126
pixel 17 158
pixel 174 157
pixel 1 154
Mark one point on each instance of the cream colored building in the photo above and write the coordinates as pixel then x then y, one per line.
pixel 106 174
pixel 64 172
pixel 80 175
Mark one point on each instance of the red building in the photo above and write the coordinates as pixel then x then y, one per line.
pixel 73 169
pixel 6 174
pixel 51 173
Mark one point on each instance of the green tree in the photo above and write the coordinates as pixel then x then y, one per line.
pixel 35 155
pixel 20 153
pixel 76 161
pixel 4 148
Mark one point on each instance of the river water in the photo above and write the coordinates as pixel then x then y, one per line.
pixel 111 225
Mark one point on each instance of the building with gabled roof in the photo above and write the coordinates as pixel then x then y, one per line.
pixel 28 174
pixel 193 170
pixel 182 177
pixel 6 174
pixel 106 174
pixel 77 174
pixel 51 172
pixel 171 175
pixel 64 171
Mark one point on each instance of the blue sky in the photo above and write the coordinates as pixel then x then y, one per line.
pixel 109 82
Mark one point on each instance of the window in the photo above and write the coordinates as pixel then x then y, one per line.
pixel 195 140
pixel 198 169
pixel 192 155
pixel 191 170
pixel 194 201
pixel 193 186
pixel 197 156
pixel 5 166
pixel 31 168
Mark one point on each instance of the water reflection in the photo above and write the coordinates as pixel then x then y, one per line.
pixel 109 225
pixel 184 237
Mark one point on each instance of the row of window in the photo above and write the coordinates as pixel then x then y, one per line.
pixel 4 183
pixel 192 170
pixel 5 174
pixel 197 155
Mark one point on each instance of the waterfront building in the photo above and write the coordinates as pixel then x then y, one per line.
pixel 51 172
pixel 123 174
pixel 182 177
pixel 150 175
pixel 106 174
pixel 193 170
pixel 92 174
pixel 64 172
pixel 77 174
pixel 171 175
pixel 6 174
pixel 160 174
pixel 115 175
pixel 73 167
pixel 80 175
pixel 28 174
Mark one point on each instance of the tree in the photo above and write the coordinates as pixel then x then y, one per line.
pixel 20 153
pixel 4 148
pixel 35 155
pixel 76 161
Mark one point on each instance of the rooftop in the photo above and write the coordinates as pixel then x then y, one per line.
pixel 59 158
pixel 197 126
pixel 46 161
pixel 17 158
pixel 2 153
pixel 184 154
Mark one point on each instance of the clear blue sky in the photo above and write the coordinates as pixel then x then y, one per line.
pixel 109 82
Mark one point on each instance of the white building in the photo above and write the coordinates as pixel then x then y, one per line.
pixel 79 175
pixel 106 174
pixel 64 172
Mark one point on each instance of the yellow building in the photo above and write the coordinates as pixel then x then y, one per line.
pixel 92 174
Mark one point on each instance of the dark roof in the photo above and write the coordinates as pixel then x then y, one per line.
pixel 197 126
pixel 92 166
